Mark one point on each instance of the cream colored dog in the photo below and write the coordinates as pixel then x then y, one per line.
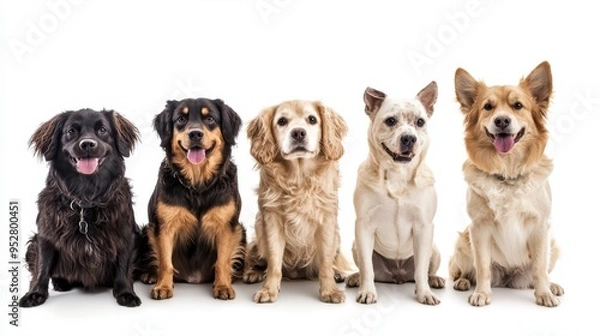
pixel 395 199
pixel 508 243
pixel 297 145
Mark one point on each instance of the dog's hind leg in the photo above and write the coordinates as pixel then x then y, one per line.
pixel 255 266
pixel 146 262
pixel 462 270
pixel 41 258
pixel 434 264
pixel 341 267
pixel 62 285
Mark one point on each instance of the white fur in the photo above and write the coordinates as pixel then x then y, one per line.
pixel 395 202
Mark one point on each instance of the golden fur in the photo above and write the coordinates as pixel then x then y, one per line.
pixel 297 235
pixel 508 243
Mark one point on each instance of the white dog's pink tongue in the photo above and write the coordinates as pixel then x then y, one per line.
pixel 87 165
pixel 195 156
pixel 504 143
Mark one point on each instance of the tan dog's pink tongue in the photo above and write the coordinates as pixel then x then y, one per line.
pixel 87 166
pixel 195 156
pixel 504 143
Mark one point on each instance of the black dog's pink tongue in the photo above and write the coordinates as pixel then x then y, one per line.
pixel 87 165
pixel 195 155
pixel 504 142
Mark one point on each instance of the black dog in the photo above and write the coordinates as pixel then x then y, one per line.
pixel 86 227
pixel 194 233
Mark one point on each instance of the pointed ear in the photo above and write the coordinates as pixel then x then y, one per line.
pixel 163 123
pixel 333 130
pixel 230 122
pixel 260 133
pixel 428 97
pixel 466 88
pixel 46 139
pixel 539 84
pixel 125 133
pixel 373 99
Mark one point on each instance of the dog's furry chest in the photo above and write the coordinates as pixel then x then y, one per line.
pixel 517 207
pixel 394 216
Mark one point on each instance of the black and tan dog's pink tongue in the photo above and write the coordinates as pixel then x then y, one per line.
pixel 195 156
pixel 87 165
pixel 504 143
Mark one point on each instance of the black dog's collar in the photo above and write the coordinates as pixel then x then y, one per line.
pixel 82 205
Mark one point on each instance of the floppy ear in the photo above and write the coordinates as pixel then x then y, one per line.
pixel 263 147
pixel 373 99
pixel 466 88
pixel 333 130
pixel 230 122
pixel 45 140
pixel 163 123
pixel 539 84
pixel 428 97
pixel 125 133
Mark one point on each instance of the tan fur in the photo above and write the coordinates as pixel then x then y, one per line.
pixel 508 243
pixel 198 173
pixel 215 223
pixel 296 227
pixel 176 223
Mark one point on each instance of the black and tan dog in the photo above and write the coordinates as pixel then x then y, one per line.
pixel 194 233
pixel 86 227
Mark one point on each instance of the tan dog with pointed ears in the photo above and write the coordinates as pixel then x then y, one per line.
pixel 508 243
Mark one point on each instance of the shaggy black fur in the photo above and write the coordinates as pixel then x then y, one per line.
pixel 65 249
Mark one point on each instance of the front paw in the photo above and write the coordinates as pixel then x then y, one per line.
pixel 333 295
pixel 436 282
pixel 161 293
pixel 428 298
pixel 128 300
pixel 253 276
pixel 546 300
pixel 353 280
pixel 478 299
pixel 366 296
pixel 223 292
pixel 33 299
pixel 266 295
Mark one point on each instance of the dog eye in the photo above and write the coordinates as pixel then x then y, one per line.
pixel 181 119
pixel 487 107
pixel 210 120
pixel 282 121
pixel 391 121
pixel 420 122
pixel 103 130
pixel 71 131
pixel 518 106
pixel 312 120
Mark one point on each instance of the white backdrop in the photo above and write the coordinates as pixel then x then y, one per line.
pixel 131 56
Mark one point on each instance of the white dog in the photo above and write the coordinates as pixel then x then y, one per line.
pixel 395 200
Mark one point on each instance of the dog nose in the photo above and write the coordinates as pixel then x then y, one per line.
pixel 298 134
pixel 408 140
pixel 87 144
pixel 195 135
pixel 502 122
